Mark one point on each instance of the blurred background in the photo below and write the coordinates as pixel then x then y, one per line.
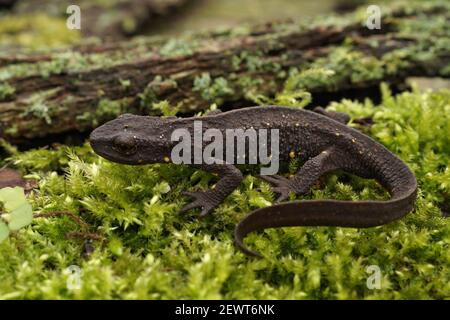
pixel 41 23
pixel 201 14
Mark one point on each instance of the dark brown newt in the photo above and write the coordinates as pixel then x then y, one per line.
pixel 319 138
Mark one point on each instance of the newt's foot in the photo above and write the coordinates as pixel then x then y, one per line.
pixel 203 199
pixel 281 185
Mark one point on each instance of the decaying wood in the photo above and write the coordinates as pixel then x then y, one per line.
pixel 89 84
pixel 12 178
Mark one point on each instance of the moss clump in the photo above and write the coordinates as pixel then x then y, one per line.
pixel 253 62
pixel 37 106
pixel 178 47
pixel 35 31
pixel 6 91
pixel 212 90
pixel 106 109
pixel 153 252
pixel 154 89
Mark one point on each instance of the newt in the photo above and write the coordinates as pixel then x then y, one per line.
pixel 319 138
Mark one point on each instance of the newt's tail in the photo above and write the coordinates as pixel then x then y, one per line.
pixel 358 214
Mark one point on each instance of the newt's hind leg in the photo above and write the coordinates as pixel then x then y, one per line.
pixel 208 200
pixel 306 177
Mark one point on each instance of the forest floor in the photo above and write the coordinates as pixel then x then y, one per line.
pixel 150 251
pixel 142 248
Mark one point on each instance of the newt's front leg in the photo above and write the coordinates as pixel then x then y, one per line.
pixel 230 177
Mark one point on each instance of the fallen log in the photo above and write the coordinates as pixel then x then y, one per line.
pixel 80 88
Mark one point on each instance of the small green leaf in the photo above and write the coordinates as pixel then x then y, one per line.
pixel 4 231
pixel 161 188
pixel 116 246
pixel 259 201
pixel 12 198
pixel 21 217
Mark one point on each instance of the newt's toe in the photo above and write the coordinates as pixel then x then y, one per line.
pixel 280 185
pixel 202 200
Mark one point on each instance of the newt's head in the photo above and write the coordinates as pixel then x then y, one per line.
pixel 132 139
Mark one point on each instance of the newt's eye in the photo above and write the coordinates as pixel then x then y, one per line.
pixel 125 144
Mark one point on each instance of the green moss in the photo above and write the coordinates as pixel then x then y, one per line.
pixel 125 83
pixel 165 108
pixel 35 31
pixel 6 90
pixel 154 89
pixel 341 65
pixel 178 47
pixel 253 62
pixel 72 61
pixel 37 107
pixel 153 252
pixel 248 85
pixel 11 131
pixel 106 109
pixel 212 90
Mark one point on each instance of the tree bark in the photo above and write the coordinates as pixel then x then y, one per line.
pixel 78 89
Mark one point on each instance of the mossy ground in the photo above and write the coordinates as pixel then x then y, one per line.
pixel 150 251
